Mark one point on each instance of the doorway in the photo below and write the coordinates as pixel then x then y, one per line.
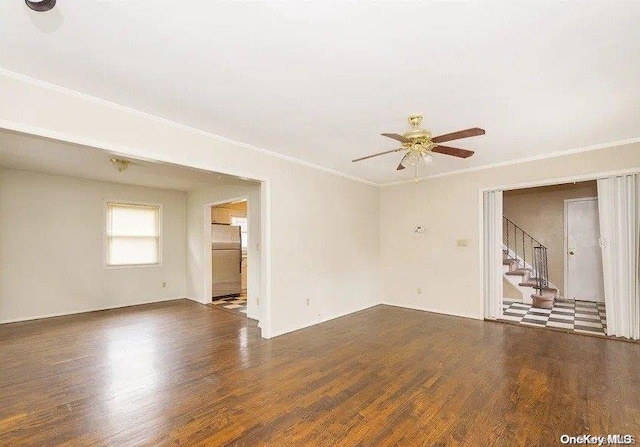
pixel 239 210
pixel 229 252
pixel 540 226
pixel 583 255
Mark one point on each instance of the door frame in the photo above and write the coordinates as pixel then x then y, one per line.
pixel 522 185
pixel 264 287
pixel 566 240
pixel 208 272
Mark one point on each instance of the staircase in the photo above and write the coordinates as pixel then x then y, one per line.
pixel 525 266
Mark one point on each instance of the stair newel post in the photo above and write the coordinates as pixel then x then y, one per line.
pixel 542 274
pixel 524 252
pixel 546 267
pixel 535 262
pixel 539 269
pixel 507 228
pixel 515 238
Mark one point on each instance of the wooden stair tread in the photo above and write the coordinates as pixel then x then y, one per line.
pixel 516 272
pixel 531 282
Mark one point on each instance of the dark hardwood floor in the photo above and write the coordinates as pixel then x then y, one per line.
pixel 179 373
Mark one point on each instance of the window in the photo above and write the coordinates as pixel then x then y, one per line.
pixel 242 223
pixel 133 234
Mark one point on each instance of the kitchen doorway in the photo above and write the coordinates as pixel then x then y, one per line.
pixel 229 251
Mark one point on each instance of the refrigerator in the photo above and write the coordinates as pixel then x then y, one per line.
pixel 226 260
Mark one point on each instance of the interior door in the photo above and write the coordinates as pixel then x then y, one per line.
pixel 583 257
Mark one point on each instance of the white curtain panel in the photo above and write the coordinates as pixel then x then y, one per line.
pixel 492 249
pixel 619 209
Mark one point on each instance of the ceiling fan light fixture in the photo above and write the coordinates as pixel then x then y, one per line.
pixel 119 164
pixel 427 157
pixel 411 159
pixel 41 5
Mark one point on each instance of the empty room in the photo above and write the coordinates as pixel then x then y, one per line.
pixel 319 223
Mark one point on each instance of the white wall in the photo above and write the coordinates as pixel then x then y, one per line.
pixel 199 260
pixel 52 232
pixel 449 208
pixel 323 228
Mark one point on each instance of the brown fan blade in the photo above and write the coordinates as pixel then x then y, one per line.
pixel 397 137
pixel 379 153
pixel 400 167
pixel 474 132
pixel 462 153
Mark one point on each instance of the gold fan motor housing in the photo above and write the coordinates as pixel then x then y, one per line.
pixel 420 138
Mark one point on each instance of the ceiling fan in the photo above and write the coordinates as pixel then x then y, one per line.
pixel 419 144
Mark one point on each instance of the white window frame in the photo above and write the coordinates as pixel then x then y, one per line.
pixel 106 236
pixel 242 216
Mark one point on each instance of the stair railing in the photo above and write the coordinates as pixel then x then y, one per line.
pixel 524 246
pixel 541 265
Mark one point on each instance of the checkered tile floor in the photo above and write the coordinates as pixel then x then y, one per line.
pixel 237 304
pixel 579 316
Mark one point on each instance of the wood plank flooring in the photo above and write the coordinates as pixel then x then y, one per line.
pixel 179 373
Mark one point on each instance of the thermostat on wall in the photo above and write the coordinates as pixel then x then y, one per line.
pixel 419 229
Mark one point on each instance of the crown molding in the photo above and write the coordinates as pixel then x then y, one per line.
pixel 166 121
pixel 518 161
pixel 187 128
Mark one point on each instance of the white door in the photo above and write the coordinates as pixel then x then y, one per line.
pixel 583 257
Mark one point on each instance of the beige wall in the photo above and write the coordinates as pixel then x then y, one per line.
pixel 52 250
pixel 339 265
pixel 449 207
pixel 331 263
pixel 540 212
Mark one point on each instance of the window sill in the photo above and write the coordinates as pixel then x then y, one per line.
pixel 131 266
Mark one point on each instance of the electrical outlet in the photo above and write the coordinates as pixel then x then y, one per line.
pixel 419 290
pixel 164 284
pixel 462 242
pixel 308 301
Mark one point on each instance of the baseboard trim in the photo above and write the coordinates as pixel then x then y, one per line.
pixel 324 320
pixel 434 311
pixel 195 300
pixel 100 309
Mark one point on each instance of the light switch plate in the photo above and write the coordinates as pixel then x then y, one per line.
pixel 419 229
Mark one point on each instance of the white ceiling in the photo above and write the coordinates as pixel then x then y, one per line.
pixel 320 80
pixel 30 153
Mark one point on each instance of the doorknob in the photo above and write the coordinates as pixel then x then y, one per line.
pixel 571 252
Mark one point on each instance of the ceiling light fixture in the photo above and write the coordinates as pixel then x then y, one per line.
pixel 120 164
pixel 41 5
pixel 412 158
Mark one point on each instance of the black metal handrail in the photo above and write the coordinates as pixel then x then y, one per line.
pixel 541 265
pixel 524 246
